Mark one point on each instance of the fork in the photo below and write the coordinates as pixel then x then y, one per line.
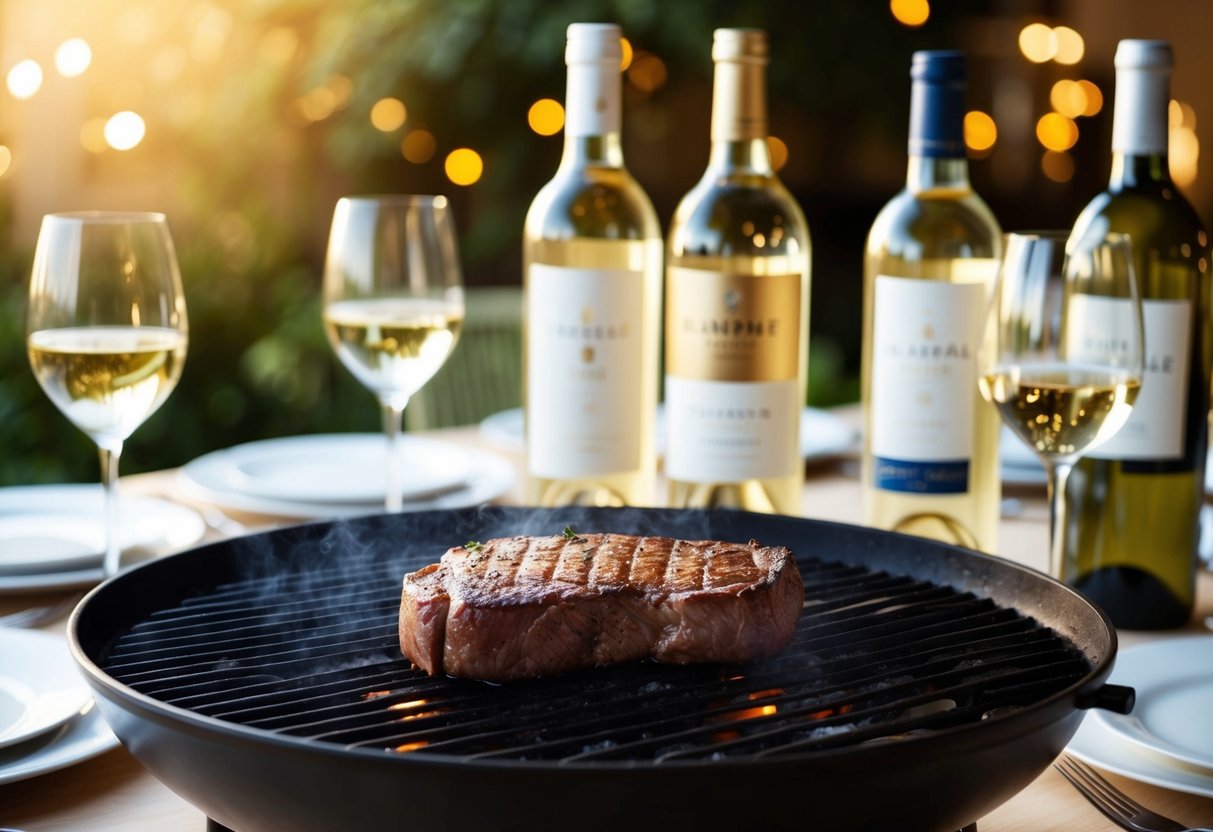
pixel 1117 805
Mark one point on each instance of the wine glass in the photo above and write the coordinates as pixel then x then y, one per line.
pixel 393 302
pixel 1062 353
pixel 106 330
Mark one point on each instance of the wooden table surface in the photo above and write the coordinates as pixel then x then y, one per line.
pixel 113 792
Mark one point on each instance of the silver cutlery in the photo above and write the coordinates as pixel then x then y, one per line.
pixel 1118 806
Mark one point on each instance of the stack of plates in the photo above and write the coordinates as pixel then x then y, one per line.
pixel 342 475
pixel 1168 738
pixel 52 536
pixel 47 718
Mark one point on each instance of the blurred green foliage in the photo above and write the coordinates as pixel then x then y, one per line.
pixel 249 181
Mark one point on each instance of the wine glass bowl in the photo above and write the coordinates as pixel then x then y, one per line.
pixel 1061 358
pixel 106 330
pixel 393 301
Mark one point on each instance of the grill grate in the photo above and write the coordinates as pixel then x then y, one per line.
pixel 314 654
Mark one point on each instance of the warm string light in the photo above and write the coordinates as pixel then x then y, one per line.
pixel 910 13
pixel 1183 147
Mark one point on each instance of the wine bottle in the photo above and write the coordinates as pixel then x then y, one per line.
pixel 1133 528
pixel 930 450
pixel 737 294
pixel 592 269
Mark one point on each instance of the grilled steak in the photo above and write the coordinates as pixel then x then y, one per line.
pixel 522 607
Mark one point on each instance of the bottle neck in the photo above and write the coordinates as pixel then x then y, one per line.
pixel 1136 170
pixel 1139 127
pixel 605 151
pixel 593 115
pixel 739 118
pixel 929 173
pixel 936 140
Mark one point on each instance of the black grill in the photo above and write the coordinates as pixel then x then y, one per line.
pixel 313 653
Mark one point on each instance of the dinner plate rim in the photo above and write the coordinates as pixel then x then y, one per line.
pixel 188 525
pixel 1163 669
pixel 82 738
pixel 55 657
pixel 217 463
pixel 491 477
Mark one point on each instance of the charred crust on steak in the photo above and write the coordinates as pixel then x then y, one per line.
pixel 528 606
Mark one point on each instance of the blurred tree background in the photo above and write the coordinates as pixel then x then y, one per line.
pixel 259 114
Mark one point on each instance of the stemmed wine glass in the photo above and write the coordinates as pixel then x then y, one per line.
pixel 1062 353
pixel 393 302
pixel 106 330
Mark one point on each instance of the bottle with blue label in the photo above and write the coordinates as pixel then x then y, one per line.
pixel 930 456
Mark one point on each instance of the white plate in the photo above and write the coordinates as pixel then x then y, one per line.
pixel 40 688
pixel 84 737
pixel 48 531
pixel 1174 712
pixel 1097 745
pixel 332 468
pixel 484 476
pixel 822 434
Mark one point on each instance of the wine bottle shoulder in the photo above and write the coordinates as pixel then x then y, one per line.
pixel 592 202
pixel 1159 218
pixel 933 226
pixel 739 215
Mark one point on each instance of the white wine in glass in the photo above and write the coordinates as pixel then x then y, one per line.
pixel 393 302
pixel 1062 355
pixel 106 330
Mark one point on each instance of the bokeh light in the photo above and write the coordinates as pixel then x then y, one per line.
pixel 910 13
pixel 92 135
pixel 317 104
pixel 6 159
pixel 1057 165
pixel 464 166
pixel 1070 46
pixel 1037 42
pixel 1056 132
pixel 124 130
pixel 418 146
pixel 980 131
pixel 279 45
pixel 778 149
pixel 1094 98
pixel 1068 98
pixel 647 72
pixel 546 117
pixel 389 114
pixel 73 57
pixel 25 79
pixel 1183 147
pixel 626 60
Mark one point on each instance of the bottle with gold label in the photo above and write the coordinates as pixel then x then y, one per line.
pixel 930 456
pixel 592 268
pixel 737 304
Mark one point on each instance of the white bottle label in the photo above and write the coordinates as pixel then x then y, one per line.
pixel 924 373
pixel 583 408
pixel 731 431
pixel 1155 429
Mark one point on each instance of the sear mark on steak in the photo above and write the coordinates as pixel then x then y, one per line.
pixel 521 607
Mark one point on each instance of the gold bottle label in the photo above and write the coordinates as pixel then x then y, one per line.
pixel 732 327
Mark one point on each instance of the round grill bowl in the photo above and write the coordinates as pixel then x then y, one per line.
pixel 253 779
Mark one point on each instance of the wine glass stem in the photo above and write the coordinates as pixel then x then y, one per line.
pixel 1058 475
pixel 393 420
pixel 109 455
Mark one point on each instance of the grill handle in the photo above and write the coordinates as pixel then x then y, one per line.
pixel 1118 699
